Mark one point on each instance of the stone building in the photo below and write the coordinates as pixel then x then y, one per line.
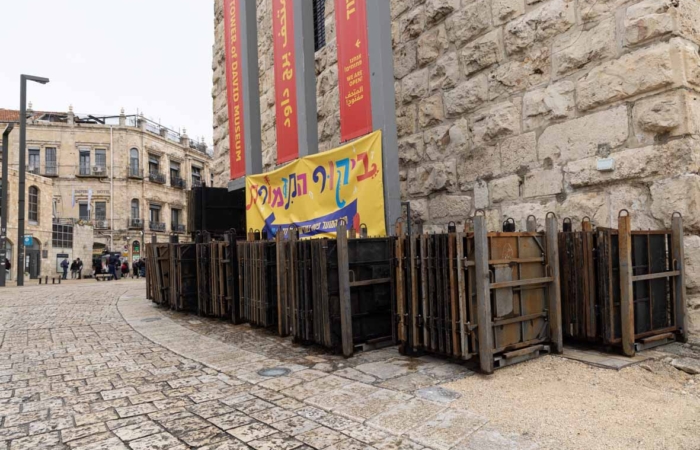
pixel 125 176
pixel 522 107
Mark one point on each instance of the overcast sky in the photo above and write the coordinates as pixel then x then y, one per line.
pixel 152 56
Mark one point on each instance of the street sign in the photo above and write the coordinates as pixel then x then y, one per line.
pixel 28 241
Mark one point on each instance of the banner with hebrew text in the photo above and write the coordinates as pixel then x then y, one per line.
pixel 315 192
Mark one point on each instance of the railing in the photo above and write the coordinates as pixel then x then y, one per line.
pixel 178 182
pixel 196 182
pixel 102 224
pixel 135 172
pixel 51 170
pixel 34 169
pixel 156 226
pixel 156 177
pixel 177 228
pixel 92 171
pixel 134 224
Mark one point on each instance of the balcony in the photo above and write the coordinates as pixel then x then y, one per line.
pixel 92 171
pixel 102 224
pixel 177 228
pixel 134 224
pixel 196 182
pixel 135 172
pixel 36 170
pixel 156 177
pixel 51 170
pixel 178 182
pixel 156 226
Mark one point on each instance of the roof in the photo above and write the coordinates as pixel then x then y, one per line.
pixel 12 115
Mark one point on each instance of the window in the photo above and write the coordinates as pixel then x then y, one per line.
pixel 155 213
pixel 34 162
pixel 174 170
pixel 50 157
pixel 84 161
pixel 83 211
pixel 153 164
pixel 134 163
pixel 174 218
pixel 54 207
pixel 100 211
pixel 211 180
pixel 62 236
pixel 319 24
pixel 101 158
pixel 33 204
pixel 196 176
pixel 135 213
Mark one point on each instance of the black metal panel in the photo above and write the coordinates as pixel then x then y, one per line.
pixel 216 210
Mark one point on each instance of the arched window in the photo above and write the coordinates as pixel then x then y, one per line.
pixel 135 209
pixel 33 204
pixel 134 163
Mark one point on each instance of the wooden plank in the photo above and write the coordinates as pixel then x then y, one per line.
pixel 523 351
pixel 401 287
pixel 554 291
pixel 626 289
pixel 678 259
pixel 452 243
pixel 344 291
pixel 518 283
pixel 461 298
pixel 415 330
pixel 654 276
pixel 483 294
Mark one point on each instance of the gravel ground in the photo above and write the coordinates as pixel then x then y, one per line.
pixel 564 404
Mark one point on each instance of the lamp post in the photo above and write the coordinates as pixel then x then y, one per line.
pixel 22 169
pixel 3 202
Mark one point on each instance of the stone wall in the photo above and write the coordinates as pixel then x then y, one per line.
pixel 507 106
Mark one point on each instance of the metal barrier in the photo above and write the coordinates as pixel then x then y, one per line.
pixel 183 289
pixel 626 287
pixel 257 284
pixel 495 295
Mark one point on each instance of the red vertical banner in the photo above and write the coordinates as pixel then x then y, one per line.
pixel 285 81
pixel 353 68
pixel 234 87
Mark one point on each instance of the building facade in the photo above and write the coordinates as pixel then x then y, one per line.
pixel 125 176
pixel 522 107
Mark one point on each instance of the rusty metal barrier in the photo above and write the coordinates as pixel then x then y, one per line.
pixel 631 291
pixel 183 277
pixel 160 261
pixel 495 295
pixel 257 285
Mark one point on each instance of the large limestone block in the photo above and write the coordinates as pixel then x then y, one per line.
pixel 495 123
pixel 542 183
pixel 506 10
pixel 405 59
pixel 689 20
pixel 466 97
pixel 432 44
pixel 406 120
pixel 577 48
pixel 415 85
pixel 649 19
pixel 411 149
pixel 680 194
pixel 482 53
pixel 432 177
pixel 580 138
pixel 541 106
pixel 529 69
pixel 691 246
pixel 398 7
pixel 436 10
pixel 505 189
pixel 437 143
pixel 694 316
pixel 469 22
pixel 431 111
pixel 670 114
pixel 519 152
pixel 520 211
pixel 674 158
pixel 548 20
pixel 479 162
pixel 444 206
pixel 445 74
pixel 578 205
pixel 590 10
pixel 632 74
pixel 413 23
pixel 481 194
pixel 636 199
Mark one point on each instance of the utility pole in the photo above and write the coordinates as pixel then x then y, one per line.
pixel 22 170
pixel 3 201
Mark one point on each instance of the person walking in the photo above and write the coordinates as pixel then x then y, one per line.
pixel 125 269
pixel 80 269
pixel 73 268
pixel 113 267
pixel 8 266
pixel 64 265
pixel 135 271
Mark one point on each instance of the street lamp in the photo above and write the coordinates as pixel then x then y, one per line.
pixel 22 169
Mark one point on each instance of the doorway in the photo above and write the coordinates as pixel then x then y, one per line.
pixel 32 258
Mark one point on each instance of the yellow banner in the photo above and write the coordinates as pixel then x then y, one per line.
pixel 314 192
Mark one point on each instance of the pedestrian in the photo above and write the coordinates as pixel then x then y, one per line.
pixel 73 268
pixel 135 267
pixel 8 266
pixel 125 269
pixel 64 265
pixel 113 267
pixel 80 269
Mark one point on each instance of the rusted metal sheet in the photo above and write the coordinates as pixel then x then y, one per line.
pixel 258 282
pixel 183 268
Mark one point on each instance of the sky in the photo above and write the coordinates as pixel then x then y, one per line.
pixel 150 56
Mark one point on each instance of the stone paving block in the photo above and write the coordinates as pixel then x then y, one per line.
pixel 308 374
pixel 320 437
pixel 365 434
pixel 231 420
pixel 203 436
pixel 184 382
pixel 137 410
pixel 174 402
pixel 397 443
pixel 272 415
pixel 92 439
pixel 289 403
pixel 311 413
pixel 102 406
pixel 252 432
pixel 146 397
pixel 253 405
pixel 383 370
pixel 409 383
pixel 37 406
pixel 277 441
pixel 336 422
pixel 119 423
pixel 118 393
pixel 169 414
pixel 295 425
pixel 316 387
pixel 180 426
pixel 102 416
pixel 355 375
pixel 230 443
pixel 405 416
pixel 488 439
pixel 46 426
pixel 350 444
pixel 364 408
pixel 236 399
pixel 447 428
pixel 136 431
pixel 280 383
pixel 210 409
pixel 160 441
pixel 112 443
pixel 24 418
pixel 265 394
pixel 10 433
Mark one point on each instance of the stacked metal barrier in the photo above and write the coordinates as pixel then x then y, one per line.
pixel 183 277
pixel 257 291
pixel 463 294
pixel 624 288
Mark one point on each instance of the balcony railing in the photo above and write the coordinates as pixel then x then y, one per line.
pixel 177 228
pixel 92 171
pixel 156 177
pixel 36 170
pixel 102 224
pixel 51 170
pixel 178 182
pixel 134 224
pixel 196 182
pixel 156 226
pixel 135 172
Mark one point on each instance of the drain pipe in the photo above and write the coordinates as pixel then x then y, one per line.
pixel 111 187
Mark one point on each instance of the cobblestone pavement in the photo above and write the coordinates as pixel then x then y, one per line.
pixel 97 366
